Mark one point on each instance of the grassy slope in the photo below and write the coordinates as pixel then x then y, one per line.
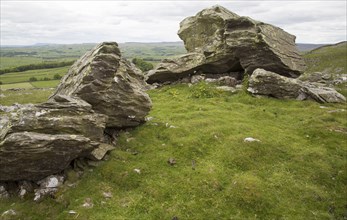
pixel 297 171
pixel 328 59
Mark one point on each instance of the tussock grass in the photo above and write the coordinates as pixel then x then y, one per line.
pixel 296 171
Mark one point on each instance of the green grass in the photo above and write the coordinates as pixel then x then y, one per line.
pixel 297 171
pixel 39 74
pixel 328 59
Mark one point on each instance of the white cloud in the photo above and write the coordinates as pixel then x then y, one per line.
pixel 29 22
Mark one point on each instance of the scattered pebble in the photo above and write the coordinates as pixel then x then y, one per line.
pixel 336 110
pixel 9 212
pixel 72 212
pixel 137 171
pixel 88 203
pixel 322 106
pixel 148 118
pixel 193 164
pixel 250 139
pixel 130 139
pixel 107 195
pixel 171 161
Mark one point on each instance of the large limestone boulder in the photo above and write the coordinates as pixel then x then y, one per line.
pixel 40 140
pixel 219 41
pixel 101 93
pixel 268 83
pixel 112 85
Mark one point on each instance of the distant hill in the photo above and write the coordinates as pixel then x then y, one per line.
pixel 328 59
pixel 308 47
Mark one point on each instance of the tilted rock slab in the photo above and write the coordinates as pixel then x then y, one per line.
pixel 268 83
pixel 101 90
pixel 220 41
pixel 112 85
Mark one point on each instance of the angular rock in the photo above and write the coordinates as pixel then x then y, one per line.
pixel 219 41
pixel 264 82
pixel 322 94
pixel 268 83
pixel 40 140
pixel 3 191
pixel 74 116
pixel 33 156
pixel 99 152
pixel 112 85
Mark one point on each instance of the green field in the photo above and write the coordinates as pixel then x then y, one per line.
pixel 19 56
pixel 26 75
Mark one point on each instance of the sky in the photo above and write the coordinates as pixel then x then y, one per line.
pixel 44 21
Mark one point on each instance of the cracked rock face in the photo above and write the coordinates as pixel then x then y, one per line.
pixel 112 85
pixel 219 41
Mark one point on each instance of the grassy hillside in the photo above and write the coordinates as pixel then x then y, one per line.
pixel 328 59
pixel 296 171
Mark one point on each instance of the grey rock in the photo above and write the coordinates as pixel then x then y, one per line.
pixel 322 94
pixel 111 85
pixel 197 78
pixel 250 139
pixel 52 181
pixel 33 156
pixel 4 194
pixel 42 193
pixel 88 203
pixel 172 161
pixel 226 89
pixel 10 212
pixel 25 187
pixel 101 92
pixel 220 41
pixel 264 82
pixel 99 152
pixel 227 81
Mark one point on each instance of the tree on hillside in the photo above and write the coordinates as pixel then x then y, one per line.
pixel 142 65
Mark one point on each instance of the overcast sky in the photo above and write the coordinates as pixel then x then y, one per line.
pixel 29 22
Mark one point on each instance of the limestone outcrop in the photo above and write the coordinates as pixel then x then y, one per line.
pixel 100 93
pixel 112 85
pixel 268 83
pixel 219 41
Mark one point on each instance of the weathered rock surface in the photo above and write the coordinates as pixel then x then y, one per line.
pixel 264 82
pixel 219 41
pixel 100 93
pixel 112 85
pixel 39 140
